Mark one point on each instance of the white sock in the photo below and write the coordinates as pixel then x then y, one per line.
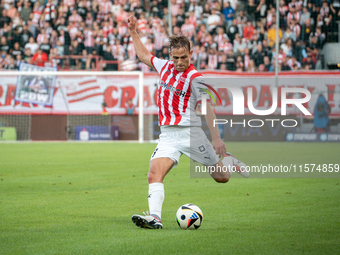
pixel 156 198
pixel 228 162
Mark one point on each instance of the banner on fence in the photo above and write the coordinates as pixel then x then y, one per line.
pixel 36 89
pixel 86 94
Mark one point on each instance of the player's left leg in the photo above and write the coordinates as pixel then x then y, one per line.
pixel 165 157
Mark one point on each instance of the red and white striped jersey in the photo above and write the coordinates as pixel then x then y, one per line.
pixel 37 11
pixel 131 51
pixel 41 37
pixel 297 4
pixel 106 6
pixel 141 24
pixel 70 3
pixel 187 30
pixel 193 20
pixel 73 32
pixel 219 39
pixel 246 61
pixel 225 47
pixel 280 59
pixel 295 16
pixel 174 9
pixel 212 61
pixel 62 39
pixel 122 30
pixel 160 40
pixel 178 95
pixel 156 22
pixel 296 29
pixel 150 47
pixel 75 18
pixel 283 9
pixel 107 30
pixel 143 67
pixel 89 39
pixel 118 52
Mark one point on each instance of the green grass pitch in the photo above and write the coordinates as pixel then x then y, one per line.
pixel 78 198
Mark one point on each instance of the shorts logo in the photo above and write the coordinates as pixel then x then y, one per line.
pixel 201 148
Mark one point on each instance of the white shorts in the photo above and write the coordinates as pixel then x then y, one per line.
pixel 191 141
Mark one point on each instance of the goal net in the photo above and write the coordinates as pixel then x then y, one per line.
pixel 43 104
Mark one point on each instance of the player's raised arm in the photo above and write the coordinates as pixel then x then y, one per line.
pixel 143 54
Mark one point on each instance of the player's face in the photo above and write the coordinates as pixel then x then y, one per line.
pixel 181 58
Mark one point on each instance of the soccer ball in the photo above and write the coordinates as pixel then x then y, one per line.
pixel 189 216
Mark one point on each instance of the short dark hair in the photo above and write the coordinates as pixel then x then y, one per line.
pixel 179 41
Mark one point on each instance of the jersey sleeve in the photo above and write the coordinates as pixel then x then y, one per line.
pixel 158 64
pixel 198 88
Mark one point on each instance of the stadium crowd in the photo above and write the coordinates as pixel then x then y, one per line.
pixel 235 35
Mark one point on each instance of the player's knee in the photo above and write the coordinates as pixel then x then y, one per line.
pixel 154 177
pixel 221 180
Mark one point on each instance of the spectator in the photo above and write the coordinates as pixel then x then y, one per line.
pixel 222 61
pixel 293 63
pixel 26 10
pixel 252 66
pixel 308 63
pixel 212 59
pixel 231 63
pixel 324 19
pixel 248 31
pixel 260 12
pixel 272 35
pixel 259 55
pixel 251 7
pixel 288 34
pixel 241 22
pixel 246 58
pixel 17 50
pixel 213 21
pixel 4 47
pixel 284 65
pixel 75 17
pixel 46 46
pixel 232 30
pixel 229 14
pixel 39 58
pixel 306 30
pixel 50 12
pixel 108 56
pixel 287 47
pixel 283 10
pixel 239 64
pixel 267 64
pixel 196 8
pixel 24 36
pixel 239 45
pixel 188 29
pixel 304 16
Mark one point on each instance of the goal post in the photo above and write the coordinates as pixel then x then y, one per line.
pixel 86 98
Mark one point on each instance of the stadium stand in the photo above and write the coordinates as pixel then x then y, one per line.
pixel 235 35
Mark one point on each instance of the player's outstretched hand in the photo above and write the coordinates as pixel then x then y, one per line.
pixel 131 22
pixel 219 147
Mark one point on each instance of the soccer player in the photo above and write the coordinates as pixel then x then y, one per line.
pixel 181 133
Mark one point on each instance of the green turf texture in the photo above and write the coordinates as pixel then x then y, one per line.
pixel 78 198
